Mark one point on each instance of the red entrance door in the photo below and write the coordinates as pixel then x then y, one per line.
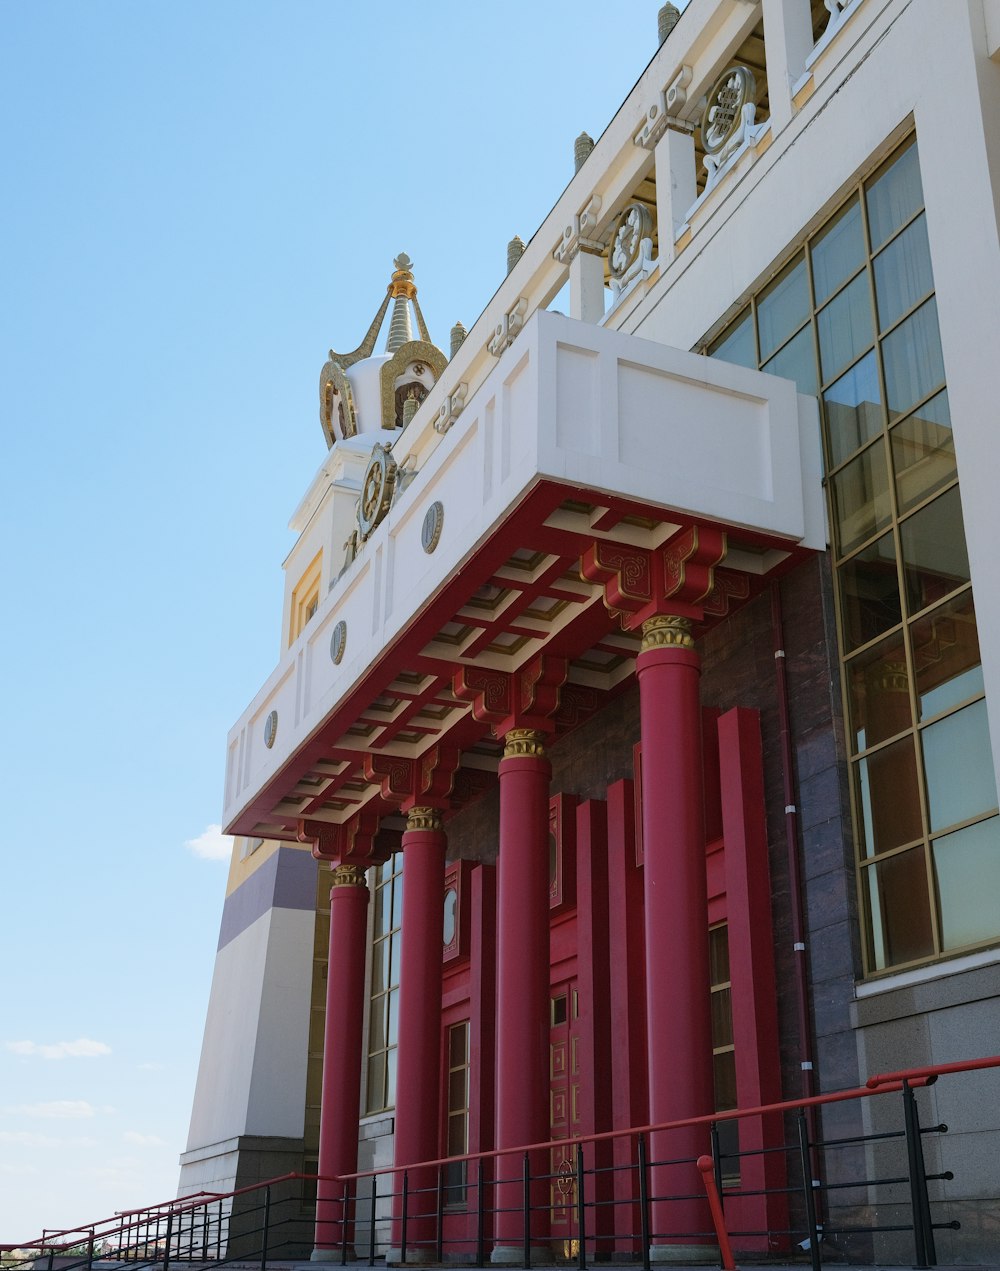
pixel 564 1113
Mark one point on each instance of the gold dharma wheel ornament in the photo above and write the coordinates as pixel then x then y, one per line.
pixel 377 490
pixel 735 89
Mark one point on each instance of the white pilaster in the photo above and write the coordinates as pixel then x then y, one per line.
pixel 787 42
pixel 586 287
pixel 676 188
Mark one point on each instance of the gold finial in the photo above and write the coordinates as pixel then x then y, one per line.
pixel 523 741
pixel 666 20
pixel 666 631
pixel 424 818
pixel 515 250
pixel 458 334
pixel 402 280
pixel 581 149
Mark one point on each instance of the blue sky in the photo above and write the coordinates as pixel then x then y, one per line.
pixel 200 199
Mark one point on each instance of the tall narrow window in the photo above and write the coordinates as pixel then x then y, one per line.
pixel 724 1050
pixel 383 1015
pixel 922 778
pixel 456 1172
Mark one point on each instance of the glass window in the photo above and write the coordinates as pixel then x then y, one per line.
pixel 845 326
pixel 946 657
pixel 967 869
pixel 869 591
pixel 935 560
pixel 861 503
pixel 889 797
pixel 912 361
pixel 958 767
pixel 879 692
pixel 923 452
pixel 903 273
pixel 899 909
pixel 457 1113
pixel 796 361
pixel 737 343
pixel 783 307
pixel 383 1007
pixel 838 251
pixel 894 194
pixel 853 408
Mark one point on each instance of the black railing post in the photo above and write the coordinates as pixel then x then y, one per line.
pixel 267 1228
pixel 371 1231
pixel 805 1160
pixel 166 1246
pixel 919 1205
pixel 716 1156
pixel 643 1167
pixel 440 1215
pixel 218 1235
pixel 344 1206
pixel 402 1233
pixel 526 1204
pixel 90 1249
pixel 204 1233
pixel 480 1215
pixel 581 1227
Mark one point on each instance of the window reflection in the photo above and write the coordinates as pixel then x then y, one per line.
pixel 935 560
pixel 967 869
pixel 783 307
pixel 946 657
pixel 837 251
pixel 870 592
pixel 958 767
pixel 912 361
pixel 923 452
pixel 845 326
pixel 903 273
pixel 899 909
pixel 893 195
pixel 861 497
pixel 853 409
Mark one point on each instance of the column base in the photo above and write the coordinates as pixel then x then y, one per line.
pixel 513 1255
pixel 685 1255
pixel 414 1258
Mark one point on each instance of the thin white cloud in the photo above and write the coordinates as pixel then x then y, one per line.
pixel 151 1067
pixel 143 1140
pixel 28 1138
pixel 82 1048
pixel 54 1110
pixel 211 844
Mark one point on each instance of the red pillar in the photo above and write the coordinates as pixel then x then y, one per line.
pixel 678 1015
pixel 345 1010
pixel 522 1092
pixel 418 1064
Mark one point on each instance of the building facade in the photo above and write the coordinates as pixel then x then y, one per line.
pixel 657 648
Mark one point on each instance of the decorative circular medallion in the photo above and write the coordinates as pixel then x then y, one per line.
pixel 430 531
pixel 270 729
pixel 634 224
pixel 734 89
pixel 338 642
pixel 450 916
pixel 376 489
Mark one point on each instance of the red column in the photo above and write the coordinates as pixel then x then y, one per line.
pixel 678 1015
pixel 345 1010
pixel 418 1064
pixel 522 1092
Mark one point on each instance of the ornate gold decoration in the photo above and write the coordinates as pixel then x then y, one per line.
pixel 348 876
pixel 421 352
pixel 270 729
pixel 430 531
pixel 423 819
pixel 376 490
pixel 890 677
pixel 523 741
pixel 402 279
pixel 337 412
pixel 666 631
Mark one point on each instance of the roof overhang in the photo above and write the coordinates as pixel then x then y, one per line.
pixel 579 433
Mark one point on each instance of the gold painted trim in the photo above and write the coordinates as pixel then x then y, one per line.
pixel 666 631
pixel 424 819
pixel 349 876
pixel 523 741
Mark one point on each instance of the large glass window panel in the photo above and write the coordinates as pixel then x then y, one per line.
pixel 912 361
pixel 783 307
pixel 718 954
pixel 869 591
pixel 861 503
pixel 380 966
pixel 737 343
pixel 722 1017
pixel 380 902
pixel 837 251
pixel 894 194
pixel 967 868
pixel 725 1080
pixel 390 1078
pixel 853 409
pixel 393 1034
pixel 946 656
pixel 845 326
pixel 375 1086
pixel 958 767
pixel 797 361
pixel 889 797
pixel 923 452
pixel 879 691
pixel 935 559
pixel 376 1025
pixel 903 273
pixel 899 909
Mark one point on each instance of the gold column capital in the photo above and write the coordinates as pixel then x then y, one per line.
pixel 666 631
pixel 523 741
pixel 424 819
pixel 348 876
